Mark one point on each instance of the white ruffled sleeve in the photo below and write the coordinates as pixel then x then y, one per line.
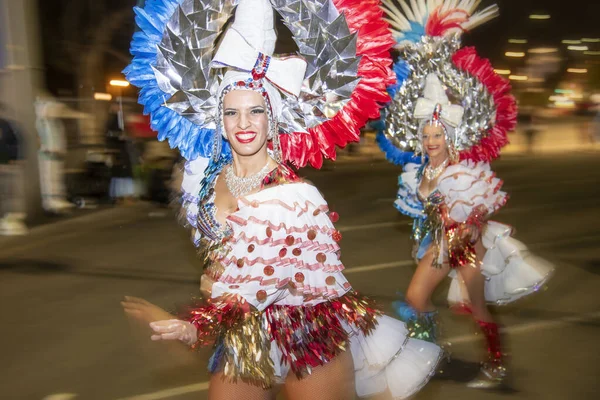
pixel 407 201
pixel 283 249
pixel 193 174
pixel 471 190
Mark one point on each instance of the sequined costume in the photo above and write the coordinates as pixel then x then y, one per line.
pixel 279 254
pixel 466 195
pixel 459 97
pixel 278 302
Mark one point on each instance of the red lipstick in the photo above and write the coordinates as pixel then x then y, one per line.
pixel 245 137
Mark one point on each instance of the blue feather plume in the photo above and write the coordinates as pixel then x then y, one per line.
pixel 395 155
pixel 192 140
pixel 392 153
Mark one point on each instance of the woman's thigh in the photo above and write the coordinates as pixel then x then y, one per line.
pixel 424 281
pixel 332 381
pixel 474 282
pixel 225 389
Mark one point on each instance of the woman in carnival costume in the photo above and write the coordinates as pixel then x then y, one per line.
pixel 277 307
pixel 447 186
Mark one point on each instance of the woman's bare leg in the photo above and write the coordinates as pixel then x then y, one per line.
pixel 424 282
pixel 225 389
pixel 332 381
pixel 474 282
pixel 493 371
pixel 418 312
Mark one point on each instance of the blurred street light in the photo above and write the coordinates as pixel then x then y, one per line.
pixel 558 98
pixel 590 40
pixel 578 48
pixel 568 41
pixel 543 50
pixel 577 70
pixel 118 82
pixel 539 16
pixel 517 77
pixel 102 96
pixel 515 54
pixel 517 41
pixel 592 53
pixel 502 71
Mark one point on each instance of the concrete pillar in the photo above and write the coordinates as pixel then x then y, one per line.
pixel 21 81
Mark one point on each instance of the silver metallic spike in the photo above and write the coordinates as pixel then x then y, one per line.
pixel 479 106
pixel 345 47
pixel 339 27
pixel 323 39
pixel 164 83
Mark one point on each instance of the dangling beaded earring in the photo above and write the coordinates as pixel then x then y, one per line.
pixel 217 144
pixel 419 148
pixel 274 136
pixel 452 153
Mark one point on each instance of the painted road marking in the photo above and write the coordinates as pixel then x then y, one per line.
pixel 375 267
pixel 165 394
pixel 351 228
pixel 60 396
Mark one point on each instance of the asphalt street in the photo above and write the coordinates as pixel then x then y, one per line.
pixel 64 335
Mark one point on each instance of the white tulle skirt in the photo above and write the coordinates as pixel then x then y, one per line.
pixel 511 271
pixel 389 359
pixel 385 359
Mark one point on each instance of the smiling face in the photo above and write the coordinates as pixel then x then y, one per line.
pixel 246 122
pixel 434 141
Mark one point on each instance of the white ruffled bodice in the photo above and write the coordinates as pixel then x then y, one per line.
pixel 465 187
pixel 282 250
pixel 469 185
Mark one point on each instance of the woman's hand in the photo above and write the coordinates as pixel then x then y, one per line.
pixel 174 329
pixel 143 310
pixel 468 233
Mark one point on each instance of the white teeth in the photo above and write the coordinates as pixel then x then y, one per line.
pixel 245 136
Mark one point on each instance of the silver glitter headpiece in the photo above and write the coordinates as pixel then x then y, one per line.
pixel 184 71
pixel 433 55
pixel 428 37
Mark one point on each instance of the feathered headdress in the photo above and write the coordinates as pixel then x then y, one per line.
pixel 427 33
pixel 345 44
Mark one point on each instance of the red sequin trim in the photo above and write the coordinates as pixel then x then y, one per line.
pixel 317 331
pixel 337 236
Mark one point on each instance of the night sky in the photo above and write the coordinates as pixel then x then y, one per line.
pixel 67 24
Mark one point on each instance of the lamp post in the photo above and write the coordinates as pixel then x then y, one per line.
pixel 120 84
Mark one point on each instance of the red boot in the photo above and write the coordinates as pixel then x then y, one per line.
pixel 493 372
